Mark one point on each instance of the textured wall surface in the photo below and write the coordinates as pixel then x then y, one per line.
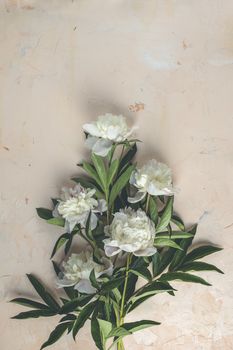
pixel 62 63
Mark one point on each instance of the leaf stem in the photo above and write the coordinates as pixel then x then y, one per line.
pixel 125 288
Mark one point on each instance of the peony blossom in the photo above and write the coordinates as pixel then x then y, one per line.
pixel 75 205
pixel 154 178
pixel 108 129
pixel 130 231
pixel 76 272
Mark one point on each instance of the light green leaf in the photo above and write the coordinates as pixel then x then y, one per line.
pixel 166 242
pixel 57 221
pixel 153 210
pixel 92 173
pixel 100 169
pixel 174 235
pixel 166 216
pixel 155 263
pixel 120 184
pixel 112 171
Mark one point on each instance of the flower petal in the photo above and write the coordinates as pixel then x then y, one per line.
pixel 137 198
pixel 84 286
pixel 146 252
pixel 111 251
pixel 91 129
pixel 102 147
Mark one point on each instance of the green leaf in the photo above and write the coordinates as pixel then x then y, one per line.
pixel 199 266
pixel 120 184
pixel 84 314
pixel 155 287
pixel 95 332
pixel 129 156
pixel 100 169
pixel 174 235
pixel 155 263
pixel 166 242
pixel 131 327
pixel 87 228
pixel 142 272
pixel 178 222
pixel 105 329
pixel 200 252
pixel 93 279
pixel 112 171
pixel 48 299
pixel 92 173
pixel 56 334
pixel 29 303
pixel 59 243
pixel 44 213
pixel 34 314
pixel 184 277
pixel 179 256
pixel 113 283
pixel 74 304
pixel 57 221
pixel 86 183
pixel 153 210
pixel 166 216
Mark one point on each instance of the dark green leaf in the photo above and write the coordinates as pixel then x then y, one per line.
pixel 95 332
pixel 93 279
pixel 200 252
pixel 116 282
pixel 184 277
pixel 48 299
pixel 155 263
pixel 34 314
pixel 129 156
pixel 29 303
pixel 199 266
pixel 59 243
pixel 82 317
pixel 44 213
pixel 178 222
pixel 142 272
pixel 56 334
pixel 179 256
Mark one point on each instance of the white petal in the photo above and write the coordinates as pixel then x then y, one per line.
pixel 94 221
pixel 102 147
pixel 137 198
pixel 91 141
pixel 102 206
pixel 84 286
pixel 111 251
pixel 146 252
pixel 91 129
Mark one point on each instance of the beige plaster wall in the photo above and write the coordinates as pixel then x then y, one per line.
pixel 62 63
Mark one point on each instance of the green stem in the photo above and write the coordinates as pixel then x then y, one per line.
pixel 147 202
pixel 125 288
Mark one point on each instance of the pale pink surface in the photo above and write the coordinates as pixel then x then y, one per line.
pixel 64 62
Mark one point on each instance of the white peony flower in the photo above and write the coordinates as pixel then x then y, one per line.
pixel 76 204
pixel 105 131
pixel 77 269
pixel 130 231
pixel 154 178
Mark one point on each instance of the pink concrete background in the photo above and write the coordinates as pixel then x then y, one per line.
pixel 62 63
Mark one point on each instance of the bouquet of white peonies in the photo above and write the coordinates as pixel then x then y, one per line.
pixel 125 216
